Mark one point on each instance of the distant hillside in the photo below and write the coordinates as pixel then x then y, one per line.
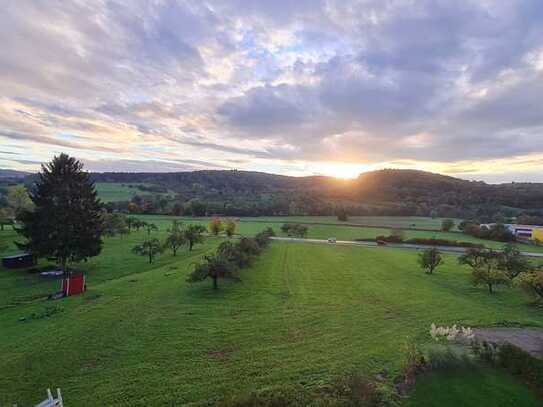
pixel 12 174
pixel 387 192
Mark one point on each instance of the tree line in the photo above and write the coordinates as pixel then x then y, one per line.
pixel 230 257
pixel 492 268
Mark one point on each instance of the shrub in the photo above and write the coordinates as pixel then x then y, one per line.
pixel 215 226
pixel 390 239
pixel 442 242
pixel 485 351
pixel 294 229
pixel 532 283
pixel 430 259
pixel 447 357
pixel 249 246
pixel 522 364
pixel 230 227
pixel 440 333
pixel 342 215
pixel 263 238
pixel 414 364
pixel 496 232
pixel 514 360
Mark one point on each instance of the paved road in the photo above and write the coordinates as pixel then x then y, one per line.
pixel 408 246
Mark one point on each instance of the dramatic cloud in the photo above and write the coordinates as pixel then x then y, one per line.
pixel 293 87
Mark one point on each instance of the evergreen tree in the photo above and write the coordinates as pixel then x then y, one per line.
pixel 66 221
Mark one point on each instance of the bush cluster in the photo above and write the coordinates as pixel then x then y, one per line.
pixel 394 238
pixel 389 239
pixel 294 229
pixel 230 257
pixel 497 232
pixel 442 242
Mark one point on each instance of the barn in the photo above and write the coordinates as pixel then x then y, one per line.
pixel 20 260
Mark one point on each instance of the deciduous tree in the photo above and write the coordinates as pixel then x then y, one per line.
pixel 512 262
pixel 114 224
pixel 230 227
pixel 176 237
pixel 6 217
pixel 213 267
pixel 150 248
pixel 215 226
pixel 194 235
pixel 430 259
pixel 18 199
pixel 486 268
pixel 532 282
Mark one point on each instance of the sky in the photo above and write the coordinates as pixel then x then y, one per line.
pixel 292 87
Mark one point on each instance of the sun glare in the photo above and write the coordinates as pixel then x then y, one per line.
pixel 345 171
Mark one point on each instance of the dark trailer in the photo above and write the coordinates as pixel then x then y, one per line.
pixel 18 261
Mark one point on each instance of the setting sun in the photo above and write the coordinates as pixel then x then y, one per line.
pixel 342 170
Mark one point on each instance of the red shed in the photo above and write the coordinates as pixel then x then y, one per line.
pixel 74 284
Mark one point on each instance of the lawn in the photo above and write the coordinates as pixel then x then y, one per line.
pixel 471 388
pixel 302 314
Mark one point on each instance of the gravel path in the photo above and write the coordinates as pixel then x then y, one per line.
pixel 529 339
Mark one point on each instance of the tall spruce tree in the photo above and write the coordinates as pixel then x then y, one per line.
pixel 66 220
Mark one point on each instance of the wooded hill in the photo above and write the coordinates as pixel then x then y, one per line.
pixel 386 192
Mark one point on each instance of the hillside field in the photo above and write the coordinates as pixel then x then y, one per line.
pixel 113 192
pixel 302 314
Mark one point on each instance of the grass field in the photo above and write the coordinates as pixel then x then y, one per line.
pixel 320 230
pixel 402 222
pixel 471 388
pixel 302 314
pixel 113 192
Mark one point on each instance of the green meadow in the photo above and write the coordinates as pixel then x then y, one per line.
pixel 318 228
pixel 114 192
pixel 403 222
pixel 302 314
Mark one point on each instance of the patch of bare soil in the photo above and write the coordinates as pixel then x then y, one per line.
pixel 219 354
pixel 528 339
